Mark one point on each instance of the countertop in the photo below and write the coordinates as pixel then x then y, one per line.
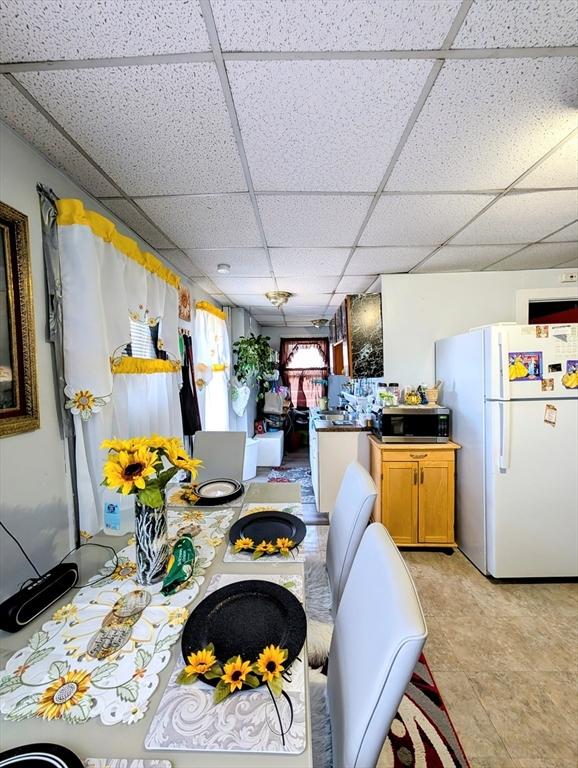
pixel 417 447
pixel 336 426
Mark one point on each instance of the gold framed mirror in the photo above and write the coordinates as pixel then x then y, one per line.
pixel 18 387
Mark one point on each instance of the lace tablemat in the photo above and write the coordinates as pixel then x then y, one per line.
pixel 296 555
pixel 177 497
pixel 55 678
pixel 187 718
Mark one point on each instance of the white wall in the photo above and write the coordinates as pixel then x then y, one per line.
pixel 34 491
pixel 418 309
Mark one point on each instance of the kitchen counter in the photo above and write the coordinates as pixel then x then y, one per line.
pixel 416 447
pixel 337 426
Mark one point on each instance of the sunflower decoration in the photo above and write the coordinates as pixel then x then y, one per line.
pixel 63 694
pixel 244 543
pixel 269 666
pixel 204 663
pixel 83 402
pixel 236 674
pixel 127 471
pixel 284 546
pixel 68 610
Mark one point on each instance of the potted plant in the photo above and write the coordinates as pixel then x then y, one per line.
pixel 255 363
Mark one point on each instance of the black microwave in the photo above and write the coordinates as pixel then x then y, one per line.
pixel 413 424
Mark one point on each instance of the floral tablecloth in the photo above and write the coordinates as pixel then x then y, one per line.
pixel 54 677
pixel 296 555
pixel 187 718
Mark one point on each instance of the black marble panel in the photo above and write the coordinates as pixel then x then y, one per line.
pixel 366 331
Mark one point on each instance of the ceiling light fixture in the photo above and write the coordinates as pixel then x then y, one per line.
pixel 320 322
pixel 223 269
pixel 278 298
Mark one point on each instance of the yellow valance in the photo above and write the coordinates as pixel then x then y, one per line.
pixel 208 307
pixel 143 365
pixel 71 211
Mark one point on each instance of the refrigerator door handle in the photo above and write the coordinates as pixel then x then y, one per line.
pixel 504 369
pixel 504 458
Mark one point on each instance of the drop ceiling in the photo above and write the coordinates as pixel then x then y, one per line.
pixel 314 144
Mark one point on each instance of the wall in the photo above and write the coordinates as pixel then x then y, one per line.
pixel 34 486
pixel 418 309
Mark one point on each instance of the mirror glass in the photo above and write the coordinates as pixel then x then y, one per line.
pixel 7 389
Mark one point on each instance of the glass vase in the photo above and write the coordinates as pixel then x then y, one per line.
pixel 151 542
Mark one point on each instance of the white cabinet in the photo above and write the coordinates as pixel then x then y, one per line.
pixel 313 460
pixel 332 452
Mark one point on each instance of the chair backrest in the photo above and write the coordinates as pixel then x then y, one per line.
pixel 351 513
pixel 377 639
pixel 222 454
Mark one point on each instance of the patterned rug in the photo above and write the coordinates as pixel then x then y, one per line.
pixel 422 733
pixel 301 475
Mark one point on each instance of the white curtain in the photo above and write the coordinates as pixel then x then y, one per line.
pixel 212 354
pixel 106 281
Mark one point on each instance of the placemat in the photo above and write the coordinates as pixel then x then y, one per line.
pixel 187 718
pixel 176 496
pixel 297 555
pixel 54 677
pixel 125 762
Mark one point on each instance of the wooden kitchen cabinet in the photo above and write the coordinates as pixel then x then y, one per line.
pixel 416 491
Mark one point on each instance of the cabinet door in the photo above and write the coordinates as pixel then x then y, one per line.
pixel 436 502
pixel 399 492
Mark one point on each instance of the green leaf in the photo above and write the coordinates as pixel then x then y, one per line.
pixel 37 656
pixel 79 713
pixel 257 554
pixel 100 673
pixel 38 639
pixel 151 497
pixel 9 684
pixel 166 642
pixel 288 584
pixel 252 681
pixel 128 691
pixel 26 707
pixel 183 678
pixel 142 659
pixel 167 475
pixel 221 692
pixel 276 685
pixel 57 669
pixel 214 672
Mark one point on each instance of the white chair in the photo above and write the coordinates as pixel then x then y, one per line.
pixel 222 454
pixel 378 637
pixel 324 582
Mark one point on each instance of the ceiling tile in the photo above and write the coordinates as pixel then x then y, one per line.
pixel 155 129
pixel 207 285
pixel 319 309
pixel 559 170
pixel 37 30
pixel 466 258
pixel 305 285
pixel 355 283
pixel 385 260
pixel 340 137
pixel 572 264
pixel 288 262
pixel 243 261
pixel 309 299
pixel 487 121
pixel 522 217
pixel 244 284
pixel 252 300
pixel 127 212
pixel 540 256
pixel 206 221
pixel 420 219
pixel 568 233
pixel 182 262
pixel 17 112
pixel 337 299
pixel 269 320
pixel 341 25
pixel 312 220
pixel 519 24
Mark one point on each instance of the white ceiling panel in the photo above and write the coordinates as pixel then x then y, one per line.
pixel 252 300
pixel 155 129
pixel 243 261
pixel 355 283
pixel 568 233
pixel 308 285
pixel 293 262
pixel 207 285
pixel 540 256
pixel 559 170
pixel 38 30
pixel 318 309
pixel 311 221
pixel 572 264
pixel 486 122
pixel 337 299
pixel 243 284
pixel 466 258
pixel 17 112
pixel 379 261
pixel 323 125
pixel 420 219
pixel 211 221
pixel 519 24
pixel 337 25
pixel 182 262
pixel 522 217
pixel 126 211
pixel 304 300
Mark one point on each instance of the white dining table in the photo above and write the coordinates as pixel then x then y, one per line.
pixel 93 739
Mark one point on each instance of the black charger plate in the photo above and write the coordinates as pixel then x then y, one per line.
pixel 268 526
pixel 243 618
pixel 39 756
pixel 205 491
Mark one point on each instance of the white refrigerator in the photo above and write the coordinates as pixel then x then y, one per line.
pixel 517 423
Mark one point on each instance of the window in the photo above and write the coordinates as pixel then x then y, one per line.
pixel 304 369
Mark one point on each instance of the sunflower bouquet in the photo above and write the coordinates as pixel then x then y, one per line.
pixel 144 465
pixel 282 545
pixel 236 673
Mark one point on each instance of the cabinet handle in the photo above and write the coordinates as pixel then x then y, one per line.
pixel 418 455
pixel 421 477
pixel 415 476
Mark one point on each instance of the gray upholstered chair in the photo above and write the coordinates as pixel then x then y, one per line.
pixel 222 454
